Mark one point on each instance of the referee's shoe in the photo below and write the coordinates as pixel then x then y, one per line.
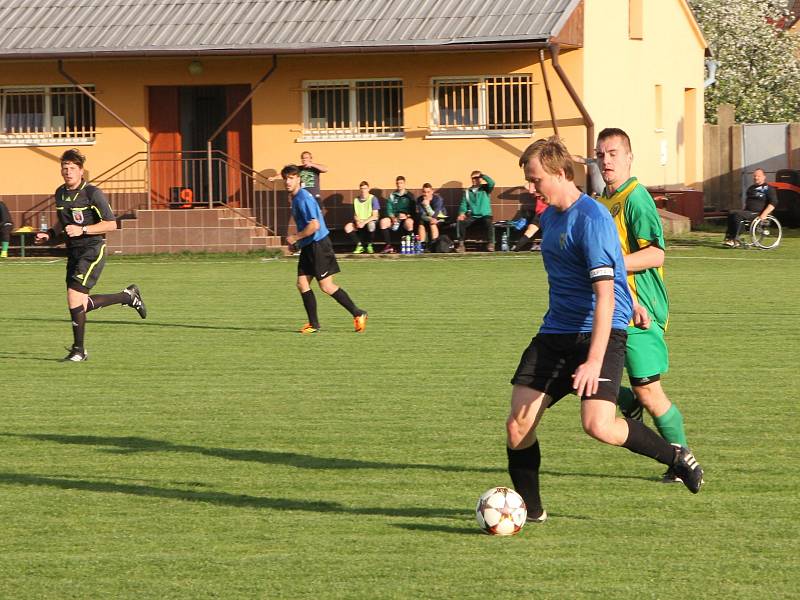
pixel 76 355
pixel 687 469
pixel 136 300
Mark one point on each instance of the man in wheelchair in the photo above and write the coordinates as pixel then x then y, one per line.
pixel 760 201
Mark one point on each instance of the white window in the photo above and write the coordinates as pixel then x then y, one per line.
pixel 488 105
pixel 352 109
pixel 38 116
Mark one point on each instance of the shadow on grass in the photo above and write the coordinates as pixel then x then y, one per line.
pixel 132 445
pixel 224 498
pixel 140 323
pixel 26 356
pixel 440 528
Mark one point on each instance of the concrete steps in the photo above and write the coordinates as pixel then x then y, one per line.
pixel 190 230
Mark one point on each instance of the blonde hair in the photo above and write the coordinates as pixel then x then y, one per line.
pixel 553 155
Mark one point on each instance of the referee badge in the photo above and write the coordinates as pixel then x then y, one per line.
pixel 77 215
pixel 615 209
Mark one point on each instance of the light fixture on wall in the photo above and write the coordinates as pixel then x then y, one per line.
pixel 195 67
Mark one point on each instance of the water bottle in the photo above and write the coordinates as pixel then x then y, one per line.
pixel 43 221
pixel 417 245
pixel 404 245
pixel 504 242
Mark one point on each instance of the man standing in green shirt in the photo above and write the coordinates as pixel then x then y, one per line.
pixel 476 206
pixel 642 238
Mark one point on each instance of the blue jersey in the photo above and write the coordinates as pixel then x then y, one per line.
pixel 305 209
pixel 581 245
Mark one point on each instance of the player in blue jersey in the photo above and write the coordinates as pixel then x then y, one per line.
pixel 317 259
pixel 580 346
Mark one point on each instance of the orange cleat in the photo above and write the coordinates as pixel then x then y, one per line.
pixel 360 322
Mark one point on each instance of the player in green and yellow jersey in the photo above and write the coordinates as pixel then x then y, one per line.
pixel 642 238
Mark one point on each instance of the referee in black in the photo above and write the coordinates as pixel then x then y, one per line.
pixel 84 216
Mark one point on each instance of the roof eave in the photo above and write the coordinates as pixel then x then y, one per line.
pixel 281 50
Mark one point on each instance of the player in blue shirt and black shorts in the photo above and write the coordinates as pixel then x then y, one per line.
pixel 317 259
pixel 580 346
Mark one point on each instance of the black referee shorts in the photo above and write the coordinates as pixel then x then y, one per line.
pixel 317 259
pixel 84 266
pixel 550 360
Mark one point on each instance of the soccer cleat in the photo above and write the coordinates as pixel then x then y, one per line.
pixel 671 477
pixel 309 329
pixel 687 469
pixel 460 248
pixel 359 249
pixel 370 249
pixel 360 322
pixel 730 243
pixel 540 519
pixel 388 249
pixel 136 300
pixel 76 355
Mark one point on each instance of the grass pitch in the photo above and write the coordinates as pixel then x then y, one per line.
pixel 212 452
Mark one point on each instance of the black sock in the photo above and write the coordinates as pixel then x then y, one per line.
pixel 342 298
pixel 522 242
pixel 643 440
pixel 523 466
pixel 78 316
pixel 101 300
pixel 310 304
pixel 354 236
pixel 386 238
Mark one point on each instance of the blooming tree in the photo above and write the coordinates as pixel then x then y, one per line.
pixel 758 63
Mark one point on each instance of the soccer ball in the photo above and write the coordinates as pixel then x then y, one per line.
pixel 501 511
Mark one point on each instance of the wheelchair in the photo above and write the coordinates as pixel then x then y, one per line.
pixel 763 233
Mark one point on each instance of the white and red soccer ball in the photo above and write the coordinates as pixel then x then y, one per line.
pixel 501 511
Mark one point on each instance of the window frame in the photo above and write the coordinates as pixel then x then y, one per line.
pixel 44 138
pixel 435 130
pixel 351 132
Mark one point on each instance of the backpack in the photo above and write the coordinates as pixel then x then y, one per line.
pixel 443 244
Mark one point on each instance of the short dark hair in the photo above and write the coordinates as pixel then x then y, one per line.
pixel 73 155
pixel 427 185
pixel 363 183
pixel 290 170
pixel 610 132
pixel 476 174
pixel 304 152
pixel 399 178
pixel 553 155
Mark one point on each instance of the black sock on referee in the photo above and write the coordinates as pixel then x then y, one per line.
pixel 643 440
pixel 310 304
pixel 78 316
pixel 100 300
pixel 523 466
pixel 342 298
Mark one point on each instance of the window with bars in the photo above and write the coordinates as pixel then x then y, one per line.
pixel 353 109
pixel 493 104
pixel 46 115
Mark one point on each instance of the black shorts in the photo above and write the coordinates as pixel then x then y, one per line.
pixel 550 360
pixel 317 259
pixel 84 265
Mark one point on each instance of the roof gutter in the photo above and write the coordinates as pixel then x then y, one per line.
pixel 271 51
pixel 554 50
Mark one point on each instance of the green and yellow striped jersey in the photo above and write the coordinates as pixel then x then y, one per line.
pixel 639 226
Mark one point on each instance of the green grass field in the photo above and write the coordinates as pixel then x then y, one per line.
pixel 212 452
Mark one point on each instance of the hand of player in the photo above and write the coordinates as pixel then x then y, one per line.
pixel 41 237
pixel 462 217
pixel 586 378
pixel 73 230
pixel 641 318
pixel 291 240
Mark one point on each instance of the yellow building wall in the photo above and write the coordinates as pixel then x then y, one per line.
pixel 277 115
pixel 651 87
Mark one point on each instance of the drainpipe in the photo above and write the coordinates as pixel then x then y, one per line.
pixel 99 102
pixel 554 48
pixel 547 92
pixel 225 124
